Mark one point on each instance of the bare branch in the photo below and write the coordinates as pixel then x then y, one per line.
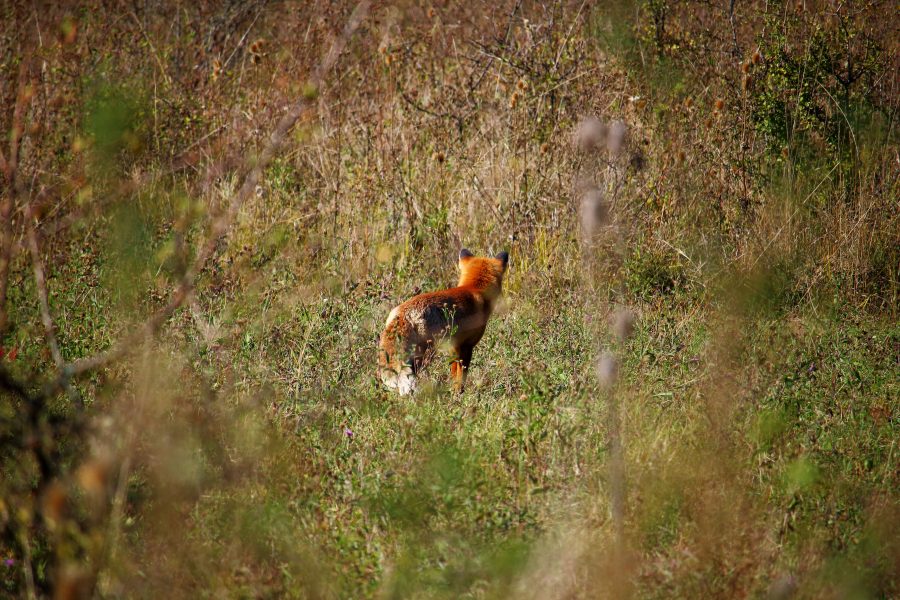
pixel 40 283
pixel 254 169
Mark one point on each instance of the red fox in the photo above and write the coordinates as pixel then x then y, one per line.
pixel 458 315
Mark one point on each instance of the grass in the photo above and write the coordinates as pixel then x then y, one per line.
pixel 248 449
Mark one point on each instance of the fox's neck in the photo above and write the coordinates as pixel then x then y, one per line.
pixel 485 287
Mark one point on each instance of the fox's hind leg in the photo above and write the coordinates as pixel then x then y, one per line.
pixel 459 368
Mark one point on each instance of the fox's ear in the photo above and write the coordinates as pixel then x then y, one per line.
pixel 464 253
pixel 503 257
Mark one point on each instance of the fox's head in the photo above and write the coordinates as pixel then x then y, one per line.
pixel 483 273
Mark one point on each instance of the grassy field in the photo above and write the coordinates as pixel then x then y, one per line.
pixel 739 442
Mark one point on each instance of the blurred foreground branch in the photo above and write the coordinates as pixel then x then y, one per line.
pixel 9 171
pixel 40 283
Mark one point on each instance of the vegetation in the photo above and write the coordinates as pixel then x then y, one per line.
pixel 690 388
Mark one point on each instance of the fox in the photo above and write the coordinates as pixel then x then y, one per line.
pixel 458 315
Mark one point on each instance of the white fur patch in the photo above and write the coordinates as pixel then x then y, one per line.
pixel 392 316
pixel 404 381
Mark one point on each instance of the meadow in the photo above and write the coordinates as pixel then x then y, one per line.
pixel 691 387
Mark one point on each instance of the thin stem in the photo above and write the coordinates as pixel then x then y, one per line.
pixel 40 283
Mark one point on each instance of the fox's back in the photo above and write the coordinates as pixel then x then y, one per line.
pixel 452 310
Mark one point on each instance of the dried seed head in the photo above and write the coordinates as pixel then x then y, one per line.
pixel 618 133
pixel 607 370
pixel 688 102
pixel 720 104
pixel 545 148
pixel 439 157
pixel 745 66
pixel 522 85
pixel 756 58
pixel 747 83
pixel 215 69
pixel 514 99
pixel 589 134
pixel 594 211
pixel 257 50
pixel 431 13
pixel 257 46
pixel 623 324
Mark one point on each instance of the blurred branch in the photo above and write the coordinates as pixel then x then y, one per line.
pixel 12 385
pixel 4 166
pixel 40 283
pixel 9 169
pixel 460 121
pixel 253 168
pixel 6 252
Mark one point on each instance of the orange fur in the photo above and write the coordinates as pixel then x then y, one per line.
pixel 458 315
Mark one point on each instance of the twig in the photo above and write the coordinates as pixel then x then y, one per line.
pixel 565 42
pixel 241 41
pixel 490 61
pixel 737 47
pixel 162 68
pixel 40 283
pixel 460 121
pixel 220 225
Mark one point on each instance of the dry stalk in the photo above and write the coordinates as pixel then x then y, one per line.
pixel 40 283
